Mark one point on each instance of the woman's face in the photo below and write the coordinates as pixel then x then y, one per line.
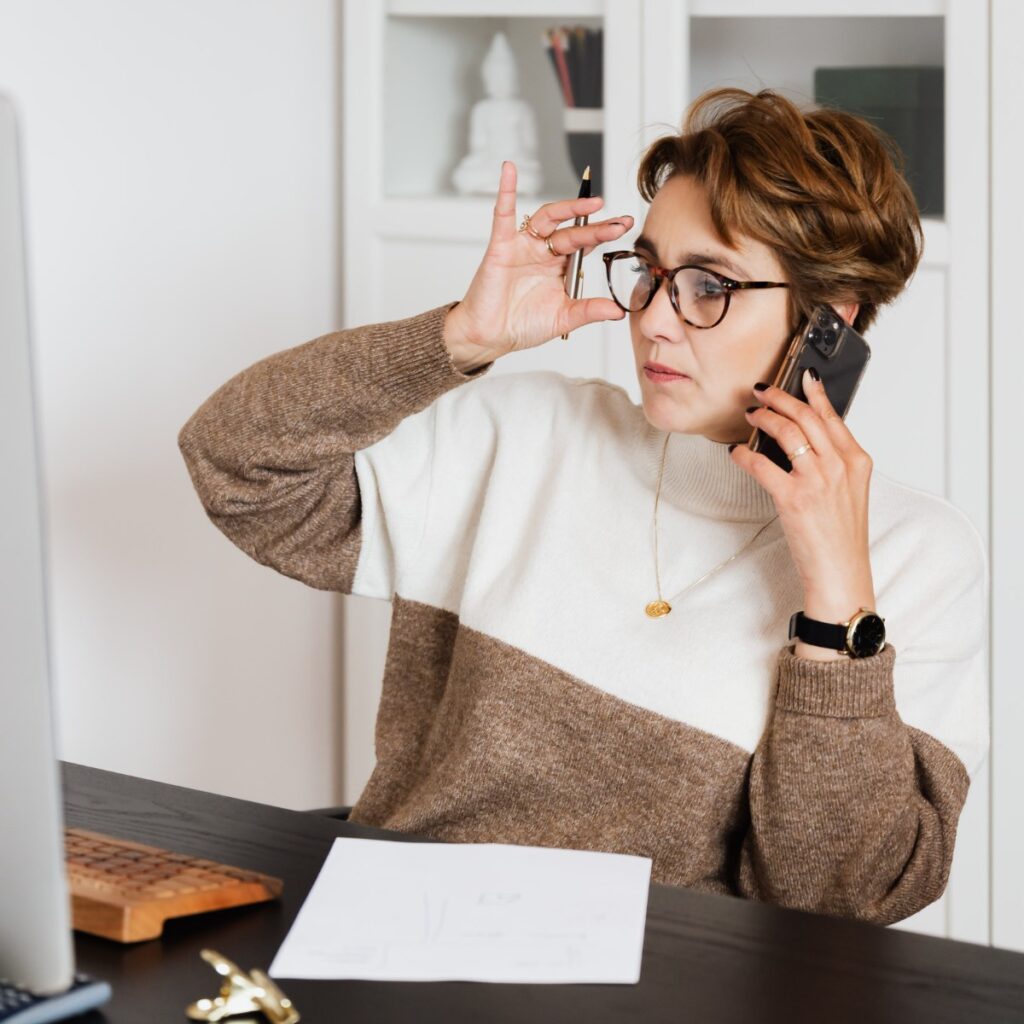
pixel 722 363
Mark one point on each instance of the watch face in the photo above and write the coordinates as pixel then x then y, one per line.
pixel 868 636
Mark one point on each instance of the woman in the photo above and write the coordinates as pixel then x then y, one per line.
pixel 536 691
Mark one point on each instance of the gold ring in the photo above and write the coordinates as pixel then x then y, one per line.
pixel 525 226
pixel 551 248
pixel 804 448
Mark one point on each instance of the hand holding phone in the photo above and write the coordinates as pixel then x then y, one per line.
pixel 839 354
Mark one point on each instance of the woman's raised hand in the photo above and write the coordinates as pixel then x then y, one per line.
pixel 517 298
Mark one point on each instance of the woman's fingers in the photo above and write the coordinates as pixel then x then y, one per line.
pixel 577 312
pixel 568 240
pixel 588 311
pixel 504 222
pixel 550 215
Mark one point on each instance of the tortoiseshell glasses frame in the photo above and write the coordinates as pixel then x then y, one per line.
pixel 729 285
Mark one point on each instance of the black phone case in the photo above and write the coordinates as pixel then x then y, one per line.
pixel 839 354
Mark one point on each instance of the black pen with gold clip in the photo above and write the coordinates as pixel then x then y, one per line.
pixel 574 275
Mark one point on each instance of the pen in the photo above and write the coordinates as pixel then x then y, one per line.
pixel 574 275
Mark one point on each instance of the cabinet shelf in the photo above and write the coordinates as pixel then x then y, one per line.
pixel 495 8
pixel 468 219
pixel 424 120
pixel 816 8
pixel 697 8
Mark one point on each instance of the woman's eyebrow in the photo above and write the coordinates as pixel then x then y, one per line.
pixel 643 242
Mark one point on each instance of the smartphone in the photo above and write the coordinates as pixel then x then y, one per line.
pixel 839 354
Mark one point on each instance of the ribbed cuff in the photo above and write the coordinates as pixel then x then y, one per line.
pixel 419 367
pixel 459 374
pixel 842 688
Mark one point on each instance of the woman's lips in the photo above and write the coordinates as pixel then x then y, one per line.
pixel 663 375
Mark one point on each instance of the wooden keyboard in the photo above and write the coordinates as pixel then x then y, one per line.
pixel 125 891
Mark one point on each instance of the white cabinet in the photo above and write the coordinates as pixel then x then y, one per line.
pixel 410 75
pixel 1007 373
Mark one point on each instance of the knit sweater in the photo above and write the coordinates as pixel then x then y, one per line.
pixel 528 697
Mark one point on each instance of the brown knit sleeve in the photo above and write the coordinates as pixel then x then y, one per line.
pixel 271 451
pixel 856 786
pixel 852 812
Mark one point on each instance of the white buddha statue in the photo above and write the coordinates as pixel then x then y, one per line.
pixel 501 127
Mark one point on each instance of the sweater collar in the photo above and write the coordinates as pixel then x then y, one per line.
pixel 700 476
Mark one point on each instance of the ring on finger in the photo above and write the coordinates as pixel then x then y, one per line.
pixel 802 449
pixel 551 248
pixel 527 227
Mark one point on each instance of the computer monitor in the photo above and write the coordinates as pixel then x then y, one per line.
pixel 36 951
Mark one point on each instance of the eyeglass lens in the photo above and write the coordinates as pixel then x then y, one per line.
pixel 700 295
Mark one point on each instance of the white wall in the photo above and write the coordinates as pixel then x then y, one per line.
pixel 181 173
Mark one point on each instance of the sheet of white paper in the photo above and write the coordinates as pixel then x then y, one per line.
pixel 407 911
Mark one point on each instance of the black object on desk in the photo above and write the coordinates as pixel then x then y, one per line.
pixel 707 958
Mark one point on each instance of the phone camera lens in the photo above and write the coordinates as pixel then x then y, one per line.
pixel 814 337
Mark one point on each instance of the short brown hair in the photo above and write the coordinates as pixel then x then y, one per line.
pixel 823 188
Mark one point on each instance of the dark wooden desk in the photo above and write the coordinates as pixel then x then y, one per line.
pixel 707 958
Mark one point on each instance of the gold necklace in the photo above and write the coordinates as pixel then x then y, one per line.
pixel 661 607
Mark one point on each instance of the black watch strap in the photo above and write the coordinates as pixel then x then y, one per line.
pixel 820 634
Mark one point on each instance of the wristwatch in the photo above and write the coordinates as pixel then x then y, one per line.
pixel 861 637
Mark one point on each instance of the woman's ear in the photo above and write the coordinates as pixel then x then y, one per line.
pixel 848 311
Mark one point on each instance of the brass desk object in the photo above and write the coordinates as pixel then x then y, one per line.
pixel 242 993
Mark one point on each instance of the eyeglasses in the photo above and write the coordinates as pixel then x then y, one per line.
pixel 699 295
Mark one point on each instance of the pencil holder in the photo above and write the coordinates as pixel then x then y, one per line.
pixel 584 133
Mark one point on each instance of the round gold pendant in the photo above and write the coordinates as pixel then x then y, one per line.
pixel 658 608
